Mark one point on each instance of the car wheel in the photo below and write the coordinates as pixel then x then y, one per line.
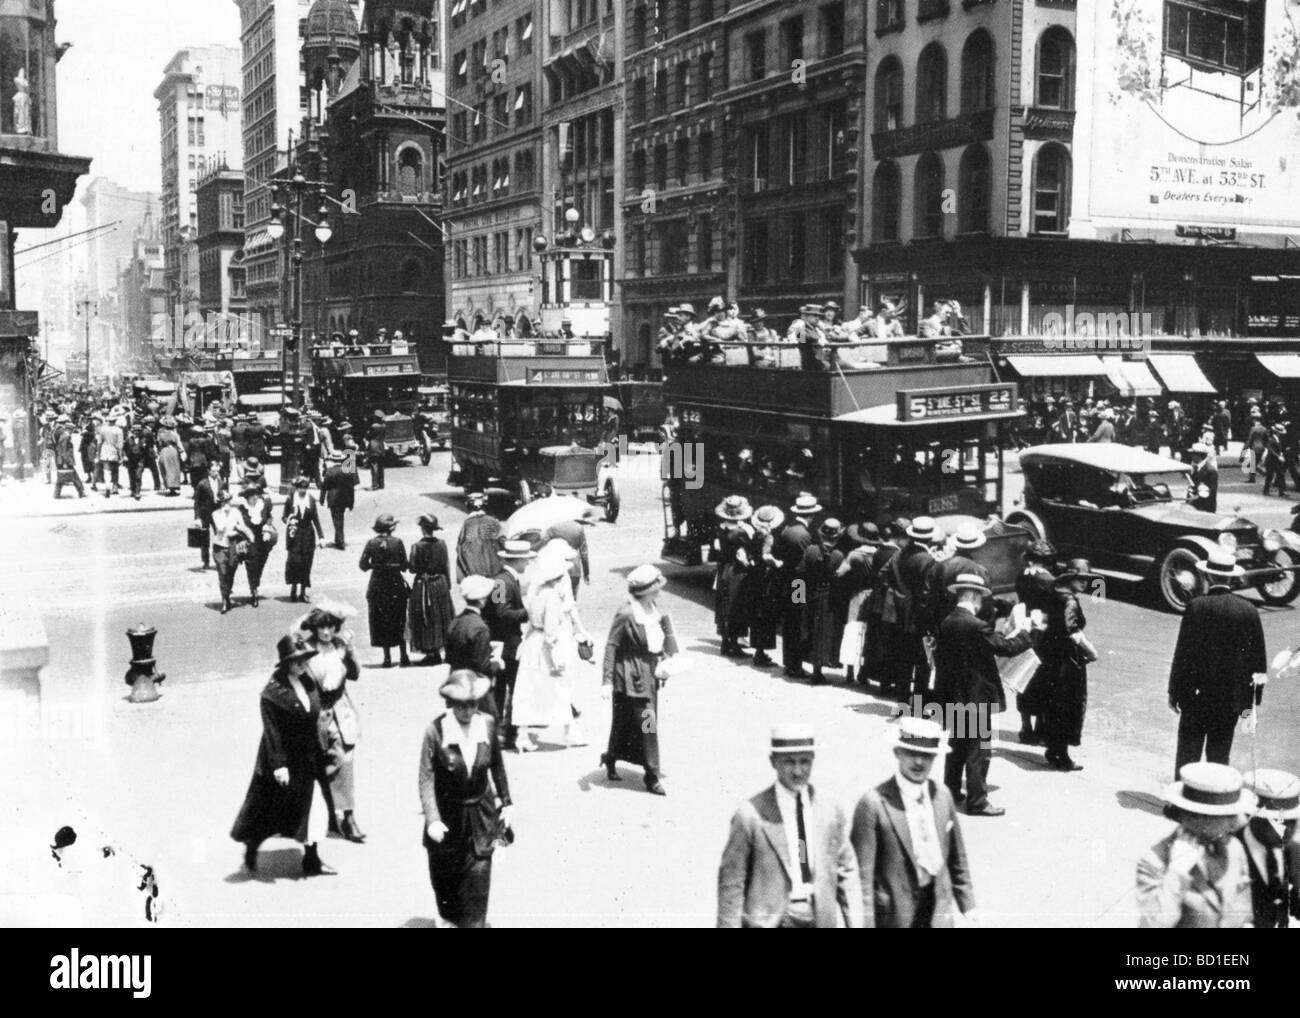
pixel 1178 579
pixel 612 500
pixel 1281 588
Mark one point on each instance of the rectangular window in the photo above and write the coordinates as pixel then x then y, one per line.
pixel 524 105
pixel 706 155
pixel 831 235
pixel 830 23
pixel 681 157
pixel 636 250
pixel 756 55
pixel 755 248
pixel 639 92
pixel 524 34
pixel 706 77
pixel 704 245
pixel 661 167
pixel 791 41
pixel 661 92
pixel 684 85
pixel 889 15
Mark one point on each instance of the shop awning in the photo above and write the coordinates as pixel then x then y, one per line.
pixel 1131 378
pixel 1280 365
pixel 1180 372
pixel 1057 366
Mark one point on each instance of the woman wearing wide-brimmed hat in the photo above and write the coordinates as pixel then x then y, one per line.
pixel 640 638
pixel 731 610
pixel 764 594
pixel 462 781
pixel 331 669
pixel 827 600
pixel 1064 653
pixel 430 614
pixel 169 456
pixel 1036 590
pixel 256 506
pixel 384 557
pixel 290 762
pixel 303 534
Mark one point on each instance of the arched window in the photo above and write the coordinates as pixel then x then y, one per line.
pixel 886 202
pixel 1055 78
pixel 889 95
pixel 523 324
pixel 974 190
pixel 977 69
pixel 409 165
pixel 932 84
pixel 927 196
pixel 412 273
pixel 1052 190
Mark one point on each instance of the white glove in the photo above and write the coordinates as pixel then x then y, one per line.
pixel 281 775
pixel 1184 855
pixel 437 831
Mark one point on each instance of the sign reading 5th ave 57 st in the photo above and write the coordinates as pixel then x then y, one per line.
pixel 962 401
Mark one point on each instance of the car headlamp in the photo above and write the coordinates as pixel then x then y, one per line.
pixel 1272 540
pixel 1228 541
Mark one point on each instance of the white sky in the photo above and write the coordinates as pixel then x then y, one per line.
pixel 106 80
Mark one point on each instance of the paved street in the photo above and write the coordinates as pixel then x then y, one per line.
pixel 165 779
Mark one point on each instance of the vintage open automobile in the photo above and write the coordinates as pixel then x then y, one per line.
pixel 1126 511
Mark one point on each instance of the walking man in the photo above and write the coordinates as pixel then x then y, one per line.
pixel 573 534
pixel 339 490
pixel 905 832
pixel 1219 666
pixel 505 615
pixel 788 863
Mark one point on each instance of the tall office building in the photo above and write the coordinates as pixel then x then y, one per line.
pixel 199 123
pixel 118 213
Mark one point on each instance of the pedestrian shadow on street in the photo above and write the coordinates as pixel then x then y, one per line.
pixel 272 865
pixel 1026 759
pixel 632 780
pixel 420 922
pixel 1145 802
pixel 878 708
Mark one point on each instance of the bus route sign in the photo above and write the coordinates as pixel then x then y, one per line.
pixel 962 401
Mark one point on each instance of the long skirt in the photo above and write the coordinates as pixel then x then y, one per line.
pixel 823 628
pixel 730 609
pixel 255 563
pixel 765 620
pixel 1065 703
pixel 274 811
pixel 386 597
pixel 169 464
pixel 301 553
pixel 430 614
pixel 541 698
pixel 634 731
pixel 461 884
pixel 340 728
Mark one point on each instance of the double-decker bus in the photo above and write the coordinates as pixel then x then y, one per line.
pixel 354 384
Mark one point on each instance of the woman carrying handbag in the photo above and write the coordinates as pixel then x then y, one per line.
pixel 640 645
pixel 302 536
pixel 1066 653
pixel 256 508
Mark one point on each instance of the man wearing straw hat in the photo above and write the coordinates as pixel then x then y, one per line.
pixel 1218 667
pixel 1198 877
pixel 789 548
pixel 1273 852
pixel 911 857
pixel 505 615
pixel 788 863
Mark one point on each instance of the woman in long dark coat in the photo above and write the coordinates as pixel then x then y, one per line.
pixel 827 605
pixel 762 581
pixel 639 639
pixel 1065 696
pixel 430 614
pixel 169 456
pixel 256 507
pixel 384 558
pixel 1036 590
pixel 302 536
pixel 290 761
pixel 730 612
pixel 462 777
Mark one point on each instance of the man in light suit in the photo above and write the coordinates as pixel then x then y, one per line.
pixel 911 857
pixel 788 863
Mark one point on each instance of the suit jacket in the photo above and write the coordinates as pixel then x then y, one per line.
pixel 754 880
pixel 1164 903
pixel 1274 907
pixel 469 643
pixel 965 660
pixel 575 536
pixel 205 500
pixel 339 488
pixel 790 544
pixel 1220 647
pixel 505 613
pixel 887 865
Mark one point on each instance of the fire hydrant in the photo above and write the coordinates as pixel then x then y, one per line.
pixel 142 676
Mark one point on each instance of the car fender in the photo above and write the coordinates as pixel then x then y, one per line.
pixel 1201 544
pixel 1291 540
pixel 1024 515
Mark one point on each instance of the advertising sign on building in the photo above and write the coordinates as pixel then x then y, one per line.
pixel 223 98
pixel 1189 114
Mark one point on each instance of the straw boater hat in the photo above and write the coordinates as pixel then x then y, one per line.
pixel 969 581
pixel 644 579
pixel 464 686
pixel 811 309
pixel 734 507
pixel 793 739
pixel 923 528
pixel 1277 792
pixel 1200 449
pixel 1210 789
pixel 969 537
pixel 920 735
pixel 476 588
pixel 864 533
pixel 517 550
pixel 805 505
pixel 385 523
pixel 1220 565
pixel 769 516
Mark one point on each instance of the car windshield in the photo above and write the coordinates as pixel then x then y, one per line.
pixel 1156 487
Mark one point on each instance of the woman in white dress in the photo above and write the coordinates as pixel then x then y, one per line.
pixel 550 666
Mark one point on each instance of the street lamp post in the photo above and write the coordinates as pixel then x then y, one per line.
pixel 295 189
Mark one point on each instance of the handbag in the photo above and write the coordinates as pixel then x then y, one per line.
pixel 270 536
pixel 586 651
pixel 196 536
pixel 1084 652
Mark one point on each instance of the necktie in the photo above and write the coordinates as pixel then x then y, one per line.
pixel 1275 889
pixel 805 871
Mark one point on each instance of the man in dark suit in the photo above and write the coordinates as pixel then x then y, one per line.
pixel 469 641
pixel 969 686
pixel 205 501
pixel 788 549
pixel 505 614
pixel 1219 652
pixel 1274 854
pixel 911 857
pixel 574 534
pixel 339 489
pixel 377 450
pixel 788 863
pixel 907 578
